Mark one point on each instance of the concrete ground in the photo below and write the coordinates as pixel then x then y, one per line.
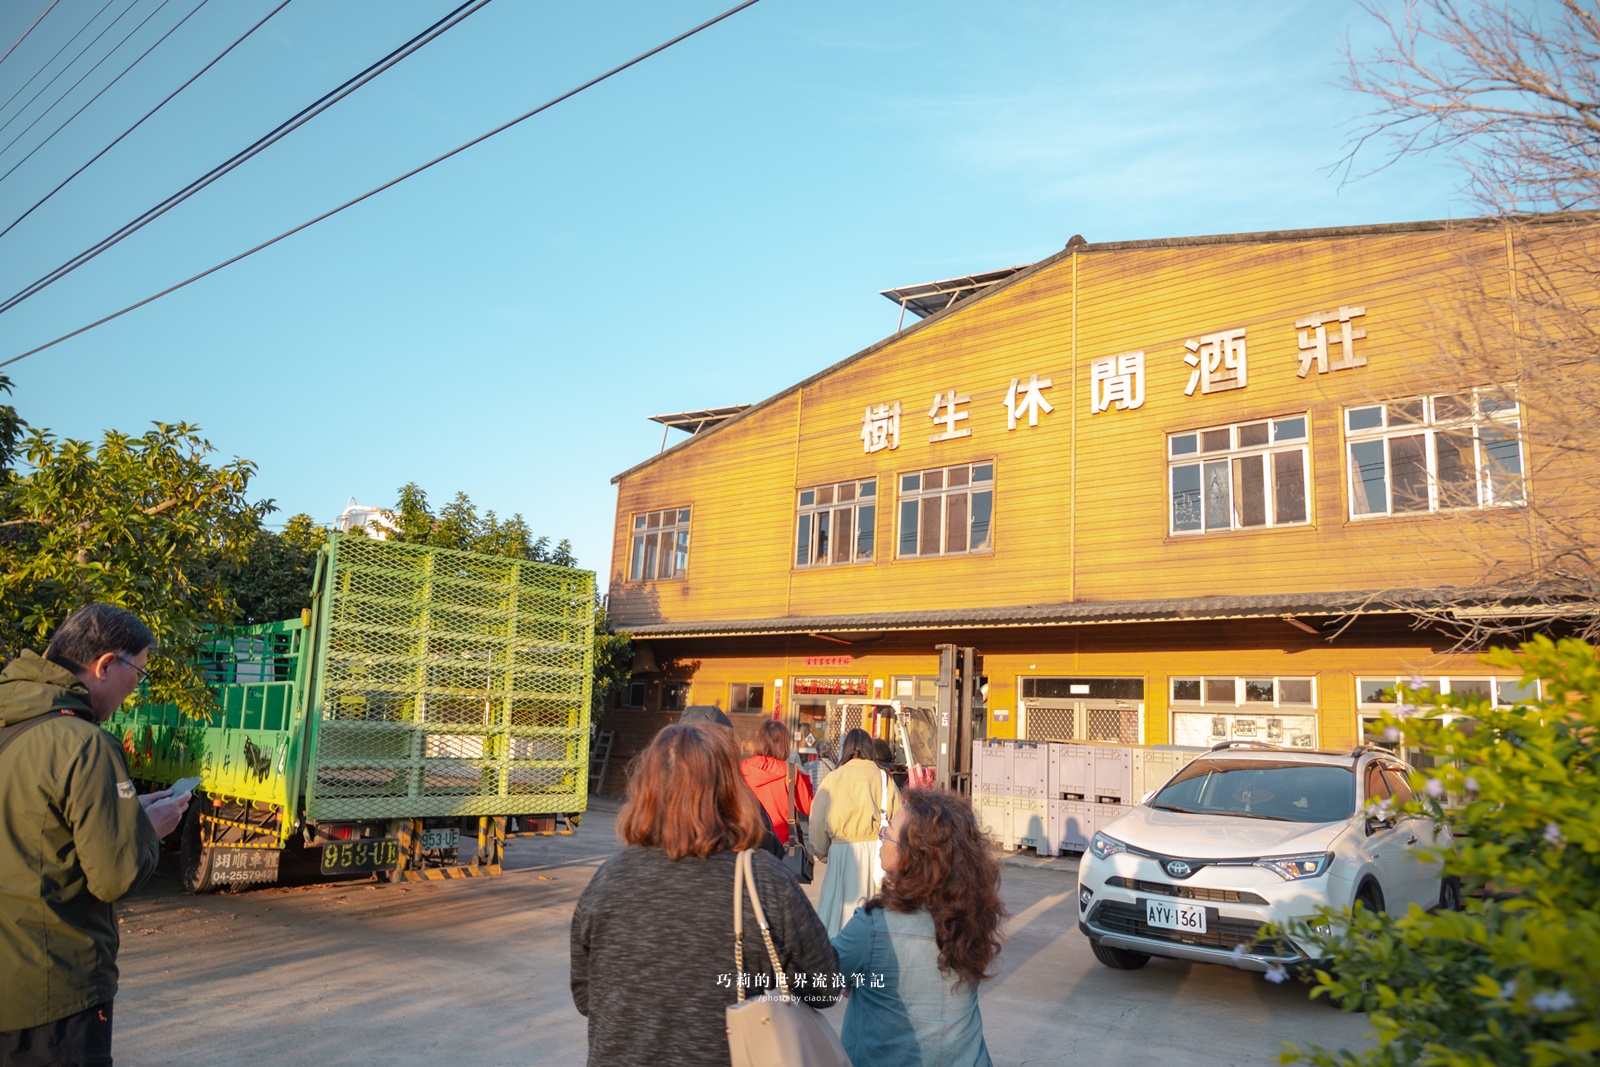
pixel 475 972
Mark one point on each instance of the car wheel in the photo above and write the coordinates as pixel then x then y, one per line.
pixel 1369 896
pixel 1450 894
pixel 1120 959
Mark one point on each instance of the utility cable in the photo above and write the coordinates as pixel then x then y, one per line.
pixel 42 89
pixel 41 201
pixel 92 71
pixel 101 93
pixel 391 183
pixel 29 30
pixel 64 46
pixel 300 118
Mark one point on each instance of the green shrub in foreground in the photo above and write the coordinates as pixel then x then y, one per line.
pixel 1515 977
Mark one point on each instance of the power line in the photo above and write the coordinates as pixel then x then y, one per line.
pixel 101 93
pixel 64 46
pixel 29 30
pixel 40 202
pixel 389 184
pixel 120 16
pixel 300 118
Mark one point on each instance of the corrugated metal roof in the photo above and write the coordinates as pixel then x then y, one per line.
pixel 1087 613
pixel 1080 613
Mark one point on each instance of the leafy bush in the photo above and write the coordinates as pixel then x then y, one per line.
pixel 1515 977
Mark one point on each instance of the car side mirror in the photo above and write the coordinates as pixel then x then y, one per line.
pixel 1374 824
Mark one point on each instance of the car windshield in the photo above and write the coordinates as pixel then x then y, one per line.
pixel 1261 789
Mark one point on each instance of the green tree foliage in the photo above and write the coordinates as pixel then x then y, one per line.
pixel 147 522
pixel 613 658
pixel 273 582
pixel 11 430
pixel 458 525
pixel 1512 979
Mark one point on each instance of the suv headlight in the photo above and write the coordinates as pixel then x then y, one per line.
pixel 1103 847
pixel 1305 865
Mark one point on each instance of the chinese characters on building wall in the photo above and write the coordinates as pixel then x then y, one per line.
pixel 1217 362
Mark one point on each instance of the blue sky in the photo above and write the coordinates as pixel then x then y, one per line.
pixel 701 230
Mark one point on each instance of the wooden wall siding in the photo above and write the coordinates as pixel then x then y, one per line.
pixel 1081 506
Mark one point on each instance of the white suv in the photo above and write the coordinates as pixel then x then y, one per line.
pixel 1250 834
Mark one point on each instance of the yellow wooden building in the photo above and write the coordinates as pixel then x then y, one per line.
pixel 1172 491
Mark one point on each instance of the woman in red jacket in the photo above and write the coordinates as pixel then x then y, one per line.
pixel 768 773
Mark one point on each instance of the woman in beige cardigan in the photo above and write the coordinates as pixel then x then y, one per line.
pixel 852 804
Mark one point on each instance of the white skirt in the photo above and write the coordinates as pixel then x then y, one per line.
pixel 853 874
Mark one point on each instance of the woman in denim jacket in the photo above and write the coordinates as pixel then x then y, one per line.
pixel 916 952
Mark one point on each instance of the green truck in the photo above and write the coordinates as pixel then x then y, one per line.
pixel 429 705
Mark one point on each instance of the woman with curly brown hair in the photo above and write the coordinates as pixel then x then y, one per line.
pixel 915 953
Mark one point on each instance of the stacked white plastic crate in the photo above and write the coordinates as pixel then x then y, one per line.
pixel 1153 765
pixel 1030 773
pixel 991 789
pixel 1110 782
pixel 1053 796
pixel 1070 813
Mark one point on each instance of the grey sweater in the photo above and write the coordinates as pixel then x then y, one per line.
pixel 652 954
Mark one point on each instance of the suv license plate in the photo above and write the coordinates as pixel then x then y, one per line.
pixel 437 839
pixel 1170 915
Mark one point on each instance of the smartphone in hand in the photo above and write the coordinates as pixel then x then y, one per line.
pixel 184 786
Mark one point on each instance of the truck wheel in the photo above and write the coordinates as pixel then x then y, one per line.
pixel 1120 959
pixel 194 858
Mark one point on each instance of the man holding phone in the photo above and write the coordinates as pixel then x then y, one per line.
pixel 75 836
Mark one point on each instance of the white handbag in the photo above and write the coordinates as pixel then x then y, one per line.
pixel 773 1030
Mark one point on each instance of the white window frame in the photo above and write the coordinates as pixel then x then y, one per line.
pixel 1186 452
pixel 915 498
pixel 1239 683
pixel 1480 412
pixel 660 567
pixel 1500 685
pixel 812 515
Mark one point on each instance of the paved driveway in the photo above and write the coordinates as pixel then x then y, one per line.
pixel 475 972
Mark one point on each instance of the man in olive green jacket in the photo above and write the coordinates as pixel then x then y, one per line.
pixel 74 837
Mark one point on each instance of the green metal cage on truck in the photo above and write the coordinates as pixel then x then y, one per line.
pixel 429 705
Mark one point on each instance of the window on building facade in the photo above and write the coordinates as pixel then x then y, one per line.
pixel 1238 477
pixel 946 511
pixel 631 695
pixel 1081 709
pixel 746 696
pixel 1378 695
pixel 660 547
pixel 674 696
pixel 921 688
pixel 1382 693
pixel 837 523
pixel 1434 453
pixel 1235 691
pixel 1214 708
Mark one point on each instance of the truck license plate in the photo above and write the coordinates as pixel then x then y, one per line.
pixel 437 839
pixel 1171 915
pixel 351 857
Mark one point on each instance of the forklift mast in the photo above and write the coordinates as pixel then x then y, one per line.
pixel 962 716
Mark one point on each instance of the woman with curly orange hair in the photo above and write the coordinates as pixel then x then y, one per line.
pixel 915 953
